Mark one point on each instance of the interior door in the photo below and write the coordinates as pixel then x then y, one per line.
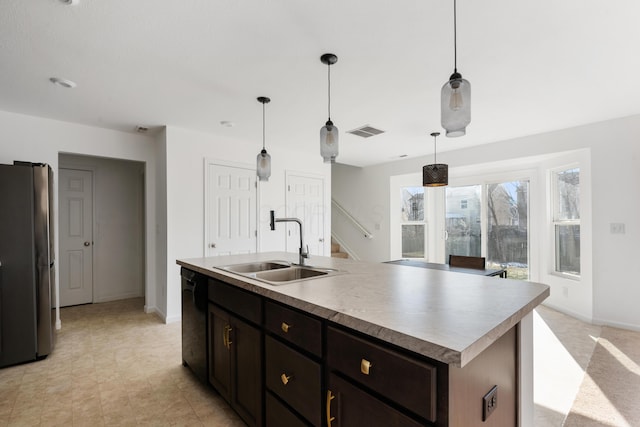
pixel 231 210
pixel 305 201
pixel 76 236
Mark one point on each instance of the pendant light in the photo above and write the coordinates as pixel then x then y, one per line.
pixel 436 174
pixel 328 132
pixel 455 101
pixel 263 167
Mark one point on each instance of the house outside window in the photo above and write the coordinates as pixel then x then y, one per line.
pixel 412 222
pixel 566 221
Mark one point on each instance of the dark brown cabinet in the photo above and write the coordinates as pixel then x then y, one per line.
pixel 350 406
pixel 277 366
pixel 293 364
pixel 409 382
pixel 235 358
pixel 295 378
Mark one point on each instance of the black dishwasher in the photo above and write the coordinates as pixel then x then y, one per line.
pixel 194 323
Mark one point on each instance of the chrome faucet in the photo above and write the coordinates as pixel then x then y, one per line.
pixel 303 253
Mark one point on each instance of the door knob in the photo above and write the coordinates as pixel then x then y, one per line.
pixel 87 243
pixel 212 245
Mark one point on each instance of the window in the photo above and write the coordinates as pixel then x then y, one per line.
pixel 412 222
pixel 508 227
pixel 566 221
pixel 463 222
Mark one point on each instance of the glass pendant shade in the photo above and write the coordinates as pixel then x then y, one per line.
pixel 455 106
pixel 329 142
pixel 435 175
pixel 263 166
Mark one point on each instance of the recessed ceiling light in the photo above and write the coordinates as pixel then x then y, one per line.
pixel 227 123
pixel 63 82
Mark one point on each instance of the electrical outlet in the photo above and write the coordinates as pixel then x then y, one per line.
pixel 489 403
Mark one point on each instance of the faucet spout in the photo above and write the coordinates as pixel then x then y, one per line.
pixel 303 253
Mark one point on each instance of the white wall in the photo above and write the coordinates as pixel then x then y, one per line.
pixel 186 151
pixel 41 140
pixel 615 173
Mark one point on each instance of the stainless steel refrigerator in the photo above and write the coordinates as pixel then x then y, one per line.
pixel 27 270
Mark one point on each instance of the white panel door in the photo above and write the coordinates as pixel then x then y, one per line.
pixel 76 237
pixel 305 201
pixel 231 210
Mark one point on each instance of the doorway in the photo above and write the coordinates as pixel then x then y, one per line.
pixel 107 263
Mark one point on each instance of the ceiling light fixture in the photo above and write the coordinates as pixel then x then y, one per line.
pixel 263 160
pixel 455 101
pixel 436 174
pixel 63 82
pixel 328 132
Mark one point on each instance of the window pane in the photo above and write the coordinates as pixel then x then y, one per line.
pixel 568 194
pixel 412 204
pixel 463 221
pixel 568 249
pixel 507 227
pixel 413 241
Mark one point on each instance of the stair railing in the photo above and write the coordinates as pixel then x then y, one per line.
pixel 350 217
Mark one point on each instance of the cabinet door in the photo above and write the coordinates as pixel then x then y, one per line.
pixel 246 370
pixel 219 354
pixel 349 406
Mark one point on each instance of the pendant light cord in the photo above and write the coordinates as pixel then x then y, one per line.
pixel 435 150
pixel 329 90
pixel 455 40
pixel 263 126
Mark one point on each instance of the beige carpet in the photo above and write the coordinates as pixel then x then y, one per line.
pixel 610 392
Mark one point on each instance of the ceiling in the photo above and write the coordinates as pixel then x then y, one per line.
pixel 533 67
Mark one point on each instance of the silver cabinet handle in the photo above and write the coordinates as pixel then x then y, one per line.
pixel 87 243
pixel 212 245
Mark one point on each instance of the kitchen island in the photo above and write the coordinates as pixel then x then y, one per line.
pixel 429 345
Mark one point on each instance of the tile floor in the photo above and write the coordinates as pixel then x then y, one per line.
pixel 113 365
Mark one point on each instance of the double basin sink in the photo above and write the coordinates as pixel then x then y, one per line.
pixel 279 272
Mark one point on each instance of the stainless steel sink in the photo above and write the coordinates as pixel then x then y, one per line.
pixel 255 267
pixel 278 272
pixel 290 274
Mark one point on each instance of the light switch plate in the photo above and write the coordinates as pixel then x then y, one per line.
pixel 616 228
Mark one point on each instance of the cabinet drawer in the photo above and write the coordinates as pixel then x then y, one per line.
pixel 295 327
pixel 349 406
pixel 278 415
pixel 295 378
pixel 405 380
pixel 235 300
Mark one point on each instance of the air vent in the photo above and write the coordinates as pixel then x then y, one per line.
pixel 366 131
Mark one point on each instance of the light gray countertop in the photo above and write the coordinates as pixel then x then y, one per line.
pixel 449 317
